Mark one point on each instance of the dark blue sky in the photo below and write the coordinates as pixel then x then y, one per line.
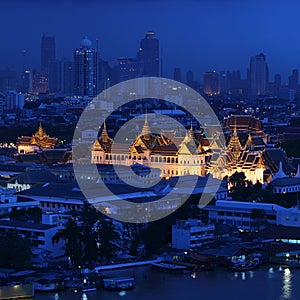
pixel 198 35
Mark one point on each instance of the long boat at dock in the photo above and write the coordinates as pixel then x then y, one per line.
pixel 168 267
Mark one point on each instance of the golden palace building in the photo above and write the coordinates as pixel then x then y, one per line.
pixel 154 150
pixel 194 154
pixel 39 140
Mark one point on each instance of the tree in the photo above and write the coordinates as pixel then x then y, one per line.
pixel 132 237
pixel 259 217
pixel 15 252
pixel 87 235
pixel 72 236
pixel 108 238
pixel 237 179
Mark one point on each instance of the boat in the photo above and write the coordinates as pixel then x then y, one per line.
pixel 16 290
pixel 168 267
pixel 87 287
pixel 45 285
pixel 119 283
pixel 242 267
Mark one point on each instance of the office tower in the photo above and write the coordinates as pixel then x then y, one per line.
pixel 149 54
pixel 129 68
pixel 190 78
pixel 27 82
pixel 67 77
pixel 293 80
pixel 86 69
pixel 177 74
pixel 47 52
pixel 223 83
pixel 55 76
pixel 258 75
pixel 211 83
pixel 106 76
pixel 14 100
pixel 277 80
pixel 8 80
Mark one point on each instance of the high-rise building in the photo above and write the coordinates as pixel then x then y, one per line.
pixel 47 52
pixel 224 82
pixel 129 68
pixel 8 80
pixel 177 74
pixel 55 76
pixel 148 54
pixel 293 80
pixel 190 78
pixel 258 75
pixel 211 83
pixel 86 69
pixel 27 82
pixel 14 100
pixel 67 77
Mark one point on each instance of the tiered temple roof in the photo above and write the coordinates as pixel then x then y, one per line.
pixel 39 139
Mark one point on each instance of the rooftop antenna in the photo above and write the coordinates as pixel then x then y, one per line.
pixel 97 44
pixel 161 62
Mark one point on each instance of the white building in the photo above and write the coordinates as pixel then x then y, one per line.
pixel 282 184
pixel 40 235
pixel 240 214
pixel 14 100
pixel 8 201
pixel 192 233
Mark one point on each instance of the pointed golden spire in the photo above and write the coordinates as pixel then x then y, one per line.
pixel 249 142
pixel 146 129
pixel 235 130
pixel 40 131
pixel 104 134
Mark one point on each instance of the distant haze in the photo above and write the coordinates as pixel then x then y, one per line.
pixel 197 35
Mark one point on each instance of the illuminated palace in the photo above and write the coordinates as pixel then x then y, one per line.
pixel 39 140
pixel 244 152
pixel 155 150
pixel 194 155
pixel 41 148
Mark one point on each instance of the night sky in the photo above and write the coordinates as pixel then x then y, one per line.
pixel 197 35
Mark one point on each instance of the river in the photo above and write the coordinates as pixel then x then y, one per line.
pixel 263 284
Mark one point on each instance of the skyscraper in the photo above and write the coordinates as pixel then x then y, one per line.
pixel 258 75
pixel 67 77
pixel 190 78
pixel 149 54
pixel 177 74
pixel 54 77
pixel 47 52
pixel 293 80
pixel 129 68
pixel 86 69
pixel 211 83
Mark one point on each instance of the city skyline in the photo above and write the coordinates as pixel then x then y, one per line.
pixel 231 33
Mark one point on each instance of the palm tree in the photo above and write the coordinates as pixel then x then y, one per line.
pixel 73 238
pixel 259 217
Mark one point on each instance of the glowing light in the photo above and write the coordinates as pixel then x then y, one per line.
pixel 243 276
pixel 84 297
pixel 122 293
pixel 287 281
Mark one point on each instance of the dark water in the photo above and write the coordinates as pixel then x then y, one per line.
pixel 261 284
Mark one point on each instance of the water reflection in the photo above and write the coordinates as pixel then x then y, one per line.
pixel 84 297
pixel 243 276
pixel 287 284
